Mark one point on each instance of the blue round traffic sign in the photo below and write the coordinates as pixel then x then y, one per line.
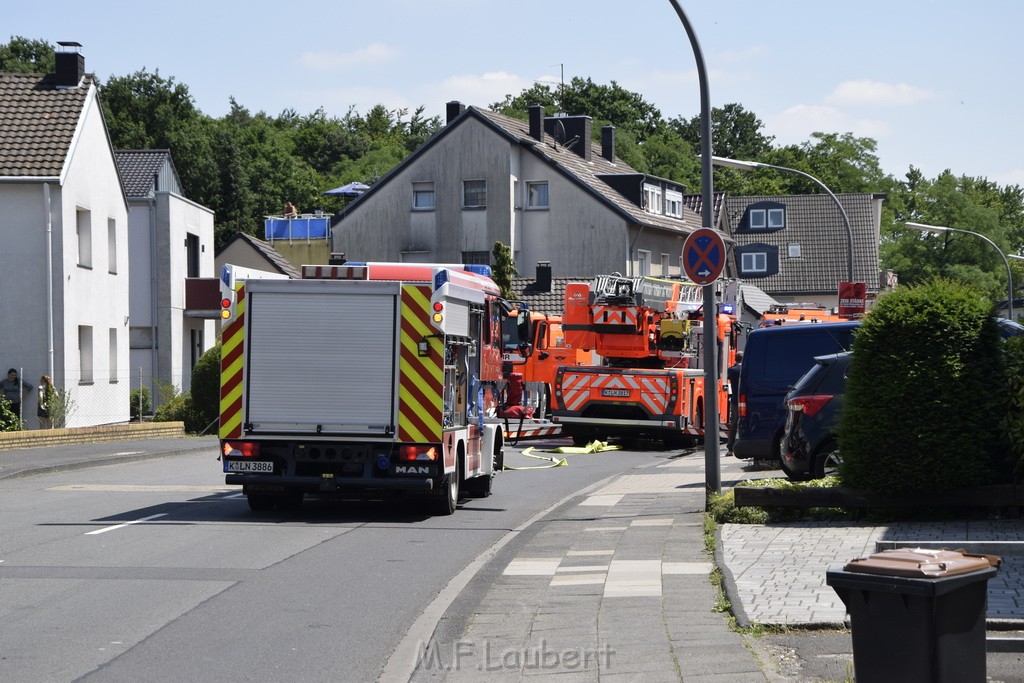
pixel 703 256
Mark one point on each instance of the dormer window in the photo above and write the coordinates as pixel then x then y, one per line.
pixel 652 199
pixel 764 217
pixel 673 203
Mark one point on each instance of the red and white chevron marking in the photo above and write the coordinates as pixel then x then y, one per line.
pixel 650 391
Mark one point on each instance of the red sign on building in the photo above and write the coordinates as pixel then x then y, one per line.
pixel 852 296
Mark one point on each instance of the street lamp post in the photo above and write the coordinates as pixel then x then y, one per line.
pixel 752 165
pixel 1009 276
pixel 712 461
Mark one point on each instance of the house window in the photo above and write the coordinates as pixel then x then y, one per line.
pixel 477 257
pixel 111 246
pixel 652 199
pixel 113 355
pixel 474 194
pixel 765 216
pixel 756 262
pixel 423 196
pixel 643 262
pixel 794 251
pixel 537 195
pixel 83 227
pixel 84 354
pixel 674 203
pixel 192 254
pixel 665 265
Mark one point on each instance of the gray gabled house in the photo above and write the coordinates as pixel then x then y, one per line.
pixel 540 185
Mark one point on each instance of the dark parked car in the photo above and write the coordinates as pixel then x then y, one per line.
pixel 774 358
pixel 810 447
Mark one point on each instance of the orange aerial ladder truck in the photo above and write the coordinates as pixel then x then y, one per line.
pixel 649 335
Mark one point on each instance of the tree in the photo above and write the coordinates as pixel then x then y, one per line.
pixel 606 104
pixel 736 133
pixel 973 204
pixel 26 56
pixel 504 269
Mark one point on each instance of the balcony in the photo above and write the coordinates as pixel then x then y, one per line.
pixel 307 226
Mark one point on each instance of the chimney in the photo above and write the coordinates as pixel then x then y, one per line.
pixel 537 122
pixel 608 143
pixel 543 282
pixel 70 64
pixel 571 132
pixel 453 109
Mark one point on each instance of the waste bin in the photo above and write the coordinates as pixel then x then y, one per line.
pixel 916 614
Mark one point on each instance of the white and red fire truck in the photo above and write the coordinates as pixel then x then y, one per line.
pixel 363 379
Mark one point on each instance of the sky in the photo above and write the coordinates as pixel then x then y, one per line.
pixel 936 83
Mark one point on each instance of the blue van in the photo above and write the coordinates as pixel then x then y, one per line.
pixel 774 358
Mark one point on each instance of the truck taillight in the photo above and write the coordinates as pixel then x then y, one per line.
pixel 246 449
pixel 438 311
pixel 741 405
pixel 417 453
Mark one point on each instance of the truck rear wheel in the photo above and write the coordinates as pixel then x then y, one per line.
pixel 446 499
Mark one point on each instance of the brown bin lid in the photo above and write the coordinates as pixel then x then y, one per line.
pixel 922 563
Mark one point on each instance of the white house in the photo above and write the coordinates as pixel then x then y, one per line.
pixel 170 245
pixel 64 234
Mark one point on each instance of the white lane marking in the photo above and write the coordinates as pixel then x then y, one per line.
pixel 575 553
pixel 583 568
pixel 534 566
pixel 129 452
pixel 652 522
pixel 633 578
pixel 141 488
pixel 602 500
pixel 121 526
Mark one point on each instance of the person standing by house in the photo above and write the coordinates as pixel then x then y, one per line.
pixel 47 397
pixel 733 375
pixel 14 389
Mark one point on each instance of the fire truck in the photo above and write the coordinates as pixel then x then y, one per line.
pixel 649 334
pixel 533 349
pixel 794 314
pixel 363 379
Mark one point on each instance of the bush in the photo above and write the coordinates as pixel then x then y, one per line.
pixel 180 409
pixel 8 420
pixel 206 386
pixel 1013 423
pixel 924 393
pixel 141 403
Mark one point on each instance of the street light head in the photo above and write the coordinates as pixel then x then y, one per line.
pixel 928 228
pixel 735 163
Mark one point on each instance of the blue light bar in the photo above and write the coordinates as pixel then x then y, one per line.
pixel 479 269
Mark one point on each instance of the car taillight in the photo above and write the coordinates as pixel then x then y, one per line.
pixel 809 405
pixel 741 405
pixel 247 449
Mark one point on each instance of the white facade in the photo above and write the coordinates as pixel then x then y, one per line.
pixel 69 231
pixel 167 232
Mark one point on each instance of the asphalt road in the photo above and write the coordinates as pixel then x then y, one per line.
pixel 152 569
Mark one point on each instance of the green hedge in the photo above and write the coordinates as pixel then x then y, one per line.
pixel 925 393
